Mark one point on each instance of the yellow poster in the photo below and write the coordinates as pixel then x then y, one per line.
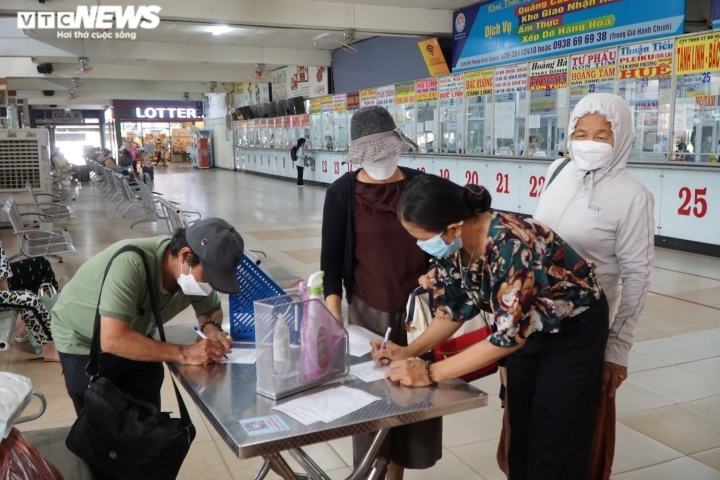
pixel 339 103
pixel 326 104
pixel 433 56
pixel 426 90
pixel 315 105
pixel 698 54
pixel 478 82
pixel 368 97
pixel 404 93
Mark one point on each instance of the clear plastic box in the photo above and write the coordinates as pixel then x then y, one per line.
pixel 316 350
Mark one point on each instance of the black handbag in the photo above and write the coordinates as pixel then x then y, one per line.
pixel 122 437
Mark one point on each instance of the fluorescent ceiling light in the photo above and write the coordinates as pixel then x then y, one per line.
pixel 219 29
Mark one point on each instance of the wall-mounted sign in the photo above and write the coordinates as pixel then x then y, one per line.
pixel 548 74
pixel 250 93
pixel 315 105
pixel 61 116
pixel 510 79
pixel 386 97
pixel 157 111
pixel 353 100
pixel 451 87
pixel 404 93
pixel 698 54
pixel 426 90
pixel 504 31
pixel 642 60
pixel 593 67
pixel 299 81
pixel 368 97
pixel 339 103
pixel 433 56
pixel 479 82
pixel 326 104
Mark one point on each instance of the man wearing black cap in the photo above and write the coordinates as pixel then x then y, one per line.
pixel 185 270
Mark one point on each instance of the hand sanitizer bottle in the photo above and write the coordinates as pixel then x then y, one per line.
pixel 281 345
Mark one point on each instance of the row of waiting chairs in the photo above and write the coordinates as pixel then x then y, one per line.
pixel 139 195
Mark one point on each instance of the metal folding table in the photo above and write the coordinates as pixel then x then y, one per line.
pixel 225 393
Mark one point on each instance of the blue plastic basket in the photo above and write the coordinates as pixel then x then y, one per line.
pixel 255 285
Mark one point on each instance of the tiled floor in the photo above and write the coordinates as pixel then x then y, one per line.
pixel 669 409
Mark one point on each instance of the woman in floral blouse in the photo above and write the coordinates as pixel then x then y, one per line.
pixel 549 310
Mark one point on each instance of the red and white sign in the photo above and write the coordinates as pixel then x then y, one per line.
pixel 503 181
pixel 450 88
pixel 511 79
pixel 61 116
pixel 689 205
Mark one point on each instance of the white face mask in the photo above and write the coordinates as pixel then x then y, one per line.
pixel 590 155
pixel 192 287
pixel 381 169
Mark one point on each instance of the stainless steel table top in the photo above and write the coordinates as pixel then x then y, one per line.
pixel 225 393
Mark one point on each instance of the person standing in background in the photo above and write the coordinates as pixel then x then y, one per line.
pixel 132 148
pixel 606 215
pixel 533 150
pixel 366 250
pixel 296 155
pixel 145 163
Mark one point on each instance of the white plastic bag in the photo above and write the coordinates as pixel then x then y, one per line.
pixel 15 394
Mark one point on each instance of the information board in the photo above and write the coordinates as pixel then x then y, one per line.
pixel 504 31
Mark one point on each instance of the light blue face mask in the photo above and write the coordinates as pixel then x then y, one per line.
pixel 437 247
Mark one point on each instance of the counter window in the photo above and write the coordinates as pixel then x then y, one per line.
pixel 341 131
pixel 316 132
pixel 547 123
pixel 427 126
pixel 510 123
pixel 479 126
pixel 697 118
pixel 405 118
pixel 452 119
pixel 328 131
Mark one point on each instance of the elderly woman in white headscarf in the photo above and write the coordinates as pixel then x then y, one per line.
pixel 606 215
pixel 366 250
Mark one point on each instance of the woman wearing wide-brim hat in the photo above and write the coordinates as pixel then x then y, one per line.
pixel 366 250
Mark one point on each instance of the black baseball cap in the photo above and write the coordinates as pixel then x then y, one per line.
pixel 220 248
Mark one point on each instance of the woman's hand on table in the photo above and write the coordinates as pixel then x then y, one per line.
pixel 410 373
pixel 391 352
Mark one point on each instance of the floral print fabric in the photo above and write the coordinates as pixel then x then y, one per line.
pixel 529 278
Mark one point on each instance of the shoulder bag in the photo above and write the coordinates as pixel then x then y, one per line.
pixel 419 316
pixel 122 437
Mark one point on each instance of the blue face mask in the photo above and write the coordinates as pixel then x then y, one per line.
pixel 437 247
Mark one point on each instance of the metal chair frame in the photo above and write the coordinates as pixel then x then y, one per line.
pixel 55 209
pixel 37 243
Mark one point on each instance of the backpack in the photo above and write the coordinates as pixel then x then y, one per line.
pixel 125 159
pixel 293 153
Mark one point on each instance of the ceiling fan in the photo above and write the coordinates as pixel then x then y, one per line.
pixel 72 94
pixel 330 40
pixel 76 83
pixel 83 65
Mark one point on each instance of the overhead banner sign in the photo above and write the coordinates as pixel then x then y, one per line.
pixel 368 97
pixel 511 79
pixel 593 67
pixel 426 90
pixel 433 56
pixel 479 82
pixel 157 111
pixel 644 60
pixel 299 81
pixel 451 87
pixel 548 74
pixel 504 31
pixel 698 54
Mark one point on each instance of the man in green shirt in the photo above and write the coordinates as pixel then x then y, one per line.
pixel 185 270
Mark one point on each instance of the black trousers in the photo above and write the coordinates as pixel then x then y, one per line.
pixel 553 389
pixel 141 380
pixel 300 172
pixel 30 273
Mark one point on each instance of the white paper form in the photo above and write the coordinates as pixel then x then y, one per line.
pixel 326 406
pixel 240 355
pixel 360 339
pixel 369 371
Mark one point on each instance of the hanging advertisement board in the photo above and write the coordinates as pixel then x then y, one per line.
pixel 511 79
pixel 548 74
pixel 386 97
pixel 450 87
pixel 593 67
pixel 479 82
pixel 299 81
pixel 698 54
pixel 642 60
pixel 426 90
pixel 504 31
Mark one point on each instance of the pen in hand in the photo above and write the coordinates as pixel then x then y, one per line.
pixel 385 340
pixel 204 337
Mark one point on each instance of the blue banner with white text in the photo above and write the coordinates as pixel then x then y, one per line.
pixel 507 31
